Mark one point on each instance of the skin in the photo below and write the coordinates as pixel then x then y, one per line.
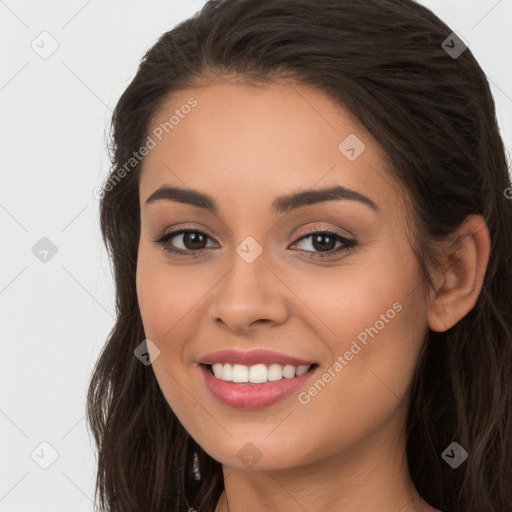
pixel 345 449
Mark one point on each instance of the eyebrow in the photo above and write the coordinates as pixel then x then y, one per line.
pixel 282 204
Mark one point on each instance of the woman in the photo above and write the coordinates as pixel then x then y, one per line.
pixel 311 234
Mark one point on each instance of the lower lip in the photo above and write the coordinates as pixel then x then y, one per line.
pixel 252 396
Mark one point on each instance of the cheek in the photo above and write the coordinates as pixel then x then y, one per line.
pixel 167 296
pixel 345 303
pixel 375 315
pixel 379 322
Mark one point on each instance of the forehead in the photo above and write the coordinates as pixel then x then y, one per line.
pixel 260 143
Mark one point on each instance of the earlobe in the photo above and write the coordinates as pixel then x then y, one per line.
pixel 464 266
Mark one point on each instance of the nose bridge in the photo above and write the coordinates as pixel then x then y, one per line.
pixel 246 281
pixel 247 292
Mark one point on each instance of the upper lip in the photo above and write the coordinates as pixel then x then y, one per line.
pixel 252 357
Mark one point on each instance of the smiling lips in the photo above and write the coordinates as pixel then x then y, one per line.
pixel 257 378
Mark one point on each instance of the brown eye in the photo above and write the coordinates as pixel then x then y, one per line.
pixel 323 243
pixel 192 241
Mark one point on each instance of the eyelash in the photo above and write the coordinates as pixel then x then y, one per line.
pixel 348 243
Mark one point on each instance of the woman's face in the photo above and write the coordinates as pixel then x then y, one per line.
pixel 260 273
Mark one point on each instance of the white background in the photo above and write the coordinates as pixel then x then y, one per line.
pixel 55 316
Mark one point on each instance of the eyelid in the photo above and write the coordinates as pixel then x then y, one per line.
pixel 305 231
pixel 320 228
pixel 175 231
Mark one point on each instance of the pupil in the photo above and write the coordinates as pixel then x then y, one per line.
pixel 195 238
pixel 327 246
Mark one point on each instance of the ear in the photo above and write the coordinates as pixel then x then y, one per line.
pixel 460 280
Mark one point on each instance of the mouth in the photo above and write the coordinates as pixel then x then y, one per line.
pixel 257 386
pixel 258 373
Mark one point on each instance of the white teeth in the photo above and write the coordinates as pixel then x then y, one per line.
pixel 240 373
pixel 275 372
pixel 289 371
pixel 301 370
pixel 257 373
pixel 217 370
pixel 227 372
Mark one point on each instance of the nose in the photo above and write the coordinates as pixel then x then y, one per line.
pixel 250 295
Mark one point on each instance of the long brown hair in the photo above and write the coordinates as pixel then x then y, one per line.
pixel 433 114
